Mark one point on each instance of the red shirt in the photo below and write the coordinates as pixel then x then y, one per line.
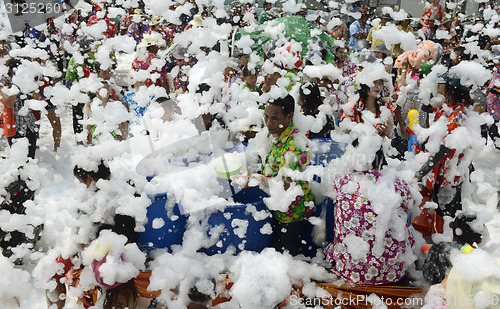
pixel 111 27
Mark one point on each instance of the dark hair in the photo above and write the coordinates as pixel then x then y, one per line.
pixel 202 88
pixel 247 72
pixel 169 103
pixel 103 172
pixel 363 91
pixel 162 99
pixel 14 63
pixel 287 104
pixel 309 92
pixel 466 235
pixel 128 289
pixel 379 160
pixel 460 94
pixel 195 295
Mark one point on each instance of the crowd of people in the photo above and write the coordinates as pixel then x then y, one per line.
pixel 407 95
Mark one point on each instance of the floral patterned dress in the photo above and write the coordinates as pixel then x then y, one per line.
pixel 279 157
pixel 493 98
pixel 181 80
pixel 356 224
pixel 144 62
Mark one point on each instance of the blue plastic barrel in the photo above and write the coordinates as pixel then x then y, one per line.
pixel 324 150
pixel 253 239
pixel 309 249
pixel 171 225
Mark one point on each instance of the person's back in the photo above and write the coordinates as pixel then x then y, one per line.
pixel 365 250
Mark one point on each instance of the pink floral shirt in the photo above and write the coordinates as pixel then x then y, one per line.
pixel 356 219
pixel 348 68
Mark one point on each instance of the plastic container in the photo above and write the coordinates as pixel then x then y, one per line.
pixel 253 239
pixel 165 228
pixel 324 150
pixel 227 165
pixel 309 249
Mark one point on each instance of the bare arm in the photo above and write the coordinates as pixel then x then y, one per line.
pixel 8 100
pixel 422 16
pixel 402 126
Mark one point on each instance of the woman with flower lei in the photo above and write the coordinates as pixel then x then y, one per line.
pixel 370 85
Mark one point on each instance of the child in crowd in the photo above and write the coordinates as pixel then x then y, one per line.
pixel 250 76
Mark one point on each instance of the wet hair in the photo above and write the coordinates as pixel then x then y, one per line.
pixel 166 102
pixel 287 104
pixel 128 289
pixel 309 92
pixel 195 295
pixel 379 162
pixel 363 91
pixel 103 172
pixel 248 72
pixel 203 87
pixel 460 94
pixel 466 235
pixel 14 63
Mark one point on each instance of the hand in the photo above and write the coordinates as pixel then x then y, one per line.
pixel 382 128
pixel 241 180
pixel 248 179
pixel 265 88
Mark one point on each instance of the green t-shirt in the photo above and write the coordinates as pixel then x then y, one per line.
pixel 73 74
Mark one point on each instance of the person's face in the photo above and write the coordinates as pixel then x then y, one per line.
pixel 405 23
pixel 276 121
pixel 271 79
pixel 379 55
pixel 153 49
pixel 479 108
pixel 105 74
pixel 376 89
pixel 342 54
pixel 441 89
pixel 267 6
pixel 168 112
pixel 229 71
pixel 251 79
pixel 87 181
pixel 244 59
pixel 324 82
pixel 139 83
